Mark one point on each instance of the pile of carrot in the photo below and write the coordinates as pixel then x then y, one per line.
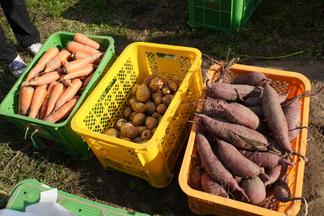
pixel 243 141
pixel 53 85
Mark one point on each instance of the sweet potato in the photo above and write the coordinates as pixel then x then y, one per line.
pixel 257 111
pixel 233 112
pixel 292 113
pixel 266 159
pixel 282 193
pixel 251 78
pixel 242 137
pixel 231 92
pixel 213 166
pixel 275 117
pixel 235 161
pixel 255 189
pixel 257 101
pixel 274 174
pixel 210 186
pixel 195 177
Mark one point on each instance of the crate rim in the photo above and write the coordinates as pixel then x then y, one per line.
pixel 29 67
pixel 184 170
pixel 142 146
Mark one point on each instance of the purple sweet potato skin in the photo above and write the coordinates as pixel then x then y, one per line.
pixel 275 117
pixel 242 137
pixel 212 164
pixel 257 111
pixel 274 174
pixel 195 177
pixel 292 113
pixel 235 161
pixel 281 191
pixel 251 78
pixel 210 186
pixel 265 159
pixel 255 190
pixel 229 92
pixel 233 112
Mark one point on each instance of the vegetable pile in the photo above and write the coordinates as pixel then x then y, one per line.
pixel 145 109
pixel 52 86
pixel 243 141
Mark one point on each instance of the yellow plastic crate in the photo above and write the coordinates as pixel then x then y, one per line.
pixel 204 203
pixel 155 159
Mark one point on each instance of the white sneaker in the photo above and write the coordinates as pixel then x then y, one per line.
pixel 34 48
pixel 17 66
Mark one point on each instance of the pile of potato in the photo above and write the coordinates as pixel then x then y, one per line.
pixel 145 109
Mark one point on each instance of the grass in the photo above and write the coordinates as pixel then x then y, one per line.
pixel 278 27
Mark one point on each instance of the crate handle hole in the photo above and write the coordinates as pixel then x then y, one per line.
pixel 166 56
pixel 80 210
pixel 25 192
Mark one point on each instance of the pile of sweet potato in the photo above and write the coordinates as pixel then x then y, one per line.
pixel 243 140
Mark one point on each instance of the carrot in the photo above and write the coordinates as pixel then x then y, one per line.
pixel 275 117
pixel 212 187
pixel 40 66
pixel 42 112
pixel 85 82
pixel 66 83
pixel 44 79
pixel 79 55
pixel 233 112
pixel 251 78
pixel 62 112
pixel 72 66
pixel 79 73
pixel 266 159
pixel 73 46
pixel 213 166
pixel 231 92
pixel 255 189
pixel 240 136
pixel 25 98
pixel 83 39
pixel 235 161
pixel 69 93
pixel 54 96
pixel 37 100
pixel 62 57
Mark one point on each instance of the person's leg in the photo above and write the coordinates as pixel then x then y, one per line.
pixel 7 53
pixel 9 56
pixel 19 20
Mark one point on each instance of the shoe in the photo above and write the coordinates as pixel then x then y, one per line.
pixel 34 48
pixel 17 66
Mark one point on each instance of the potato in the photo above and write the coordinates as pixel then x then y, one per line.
pixel 136 105
pixel 156 83
pixel 147 134
pixel 127 112
pixel 140 129
pixel 143 93
pixel 132 115
pixel 138 140
pixel 151 122
pixel 128 130
pixel 134 89
pixel 165 90
pixel 138 119
pixel 157 97
pixel 167 99
pixel 147 81
pixel 161 108
pixel 112 132
pixel 157 116
pixel 173 85
pixel 150 107
pixel 119 123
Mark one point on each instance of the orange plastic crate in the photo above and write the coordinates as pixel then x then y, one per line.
pixel 204 203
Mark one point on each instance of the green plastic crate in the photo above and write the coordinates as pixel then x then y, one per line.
pixel 57 135
pixel 28 191
pixel 222 15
